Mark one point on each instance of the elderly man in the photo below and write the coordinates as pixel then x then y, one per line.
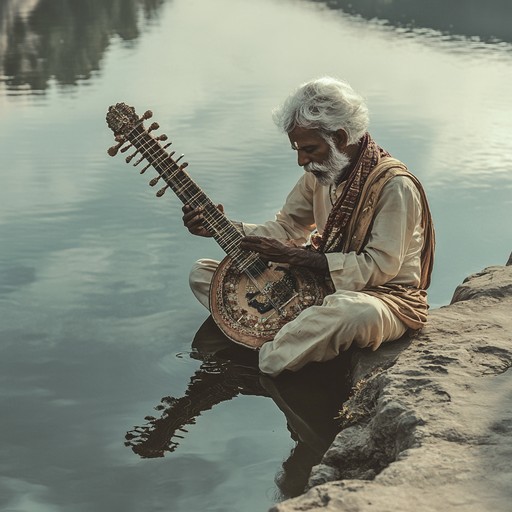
pixel 361 218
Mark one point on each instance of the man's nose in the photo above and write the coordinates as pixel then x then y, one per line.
pixel 302 159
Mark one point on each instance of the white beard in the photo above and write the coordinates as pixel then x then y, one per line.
pixel 331 171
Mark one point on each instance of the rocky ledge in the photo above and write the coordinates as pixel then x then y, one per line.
pixel 429 425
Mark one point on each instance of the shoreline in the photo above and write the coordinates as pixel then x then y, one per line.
pixel 429 425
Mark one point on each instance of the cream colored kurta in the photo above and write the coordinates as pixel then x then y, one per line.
pixel 391 255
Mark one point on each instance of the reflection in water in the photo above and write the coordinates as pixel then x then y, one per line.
pixel 488 20
pixel 63 39
pixel 310 400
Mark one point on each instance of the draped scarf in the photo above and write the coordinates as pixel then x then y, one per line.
pixel 343 208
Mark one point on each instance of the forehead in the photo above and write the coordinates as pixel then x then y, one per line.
pixel 305 137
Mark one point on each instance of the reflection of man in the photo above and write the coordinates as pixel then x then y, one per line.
pixel 374 232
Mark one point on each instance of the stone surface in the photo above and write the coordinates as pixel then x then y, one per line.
pixel 429 426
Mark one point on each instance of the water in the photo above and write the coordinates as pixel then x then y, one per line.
pixel 96 318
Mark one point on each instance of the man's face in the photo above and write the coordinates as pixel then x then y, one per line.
pixel 319 156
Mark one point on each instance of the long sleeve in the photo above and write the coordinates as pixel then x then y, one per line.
pixel 392 253
pixel 295 220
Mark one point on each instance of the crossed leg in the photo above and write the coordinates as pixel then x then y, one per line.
pixel 319 333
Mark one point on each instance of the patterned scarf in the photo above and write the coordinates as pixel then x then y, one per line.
pixel 341 213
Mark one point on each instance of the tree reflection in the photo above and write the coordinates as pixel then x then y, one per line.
pixel 488 20
pixel 64 39
pixel 310 399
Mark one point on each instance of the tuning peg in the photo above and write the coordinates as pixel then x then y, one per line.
pixel 147 115
pixel 139 161
pixel 129 157
pixel 179 158
pixel 154 181
pixel 153 126
pixel 126 148
pixel 149 165
pixel 161 137
pixel 112 151
pixel 161 192
pixel 145 169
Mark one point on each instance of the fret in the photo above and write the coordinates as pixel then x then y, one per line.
pixel 166 175
pixel 183 188
pixel 232 243
pixel 195 196
pixel 228 233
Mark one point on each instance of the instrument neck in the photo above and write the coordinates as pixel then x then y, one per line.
pixel 175 177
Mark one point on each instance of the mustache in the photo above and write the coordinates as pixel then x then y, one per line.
pixel 324 174
pixel 330 171
pixel 315 167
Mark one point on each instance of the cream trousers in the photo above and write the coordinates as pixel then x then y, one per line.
pixel 319 333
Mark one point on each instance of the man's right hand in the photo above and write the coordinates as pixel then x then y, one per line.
pixel 193 220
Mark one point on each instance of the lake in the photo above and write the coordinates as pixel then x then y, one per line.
pixel 118 393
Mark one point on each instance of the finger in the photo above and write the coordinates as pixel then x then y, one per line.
pixel 196 221
pixel 220 207
pixel 192 212
pixel 263 244
pixel 195 225
pixel 187 208
pixel 252 239
pixel 190 217
pixel 250 243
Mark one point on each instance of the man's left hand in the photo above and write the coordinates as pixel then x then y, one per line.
pixel 269 248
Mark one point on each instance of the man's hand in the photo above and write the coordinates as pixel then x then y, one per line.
pixel 273 250
pixel 269 248
pixel 193 220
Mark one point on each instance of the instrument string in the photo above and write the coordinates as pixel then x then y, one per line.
pixel 255 266
pixel 192 194
pixel 195 198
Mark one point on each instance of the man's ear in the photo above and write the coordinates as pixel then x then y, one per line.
pixel 341 138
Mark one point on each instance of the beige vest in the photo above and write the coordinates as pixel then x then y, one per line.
pixel 408 303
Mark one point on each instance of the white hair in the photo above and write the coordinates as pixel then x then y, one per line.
pixel 325 104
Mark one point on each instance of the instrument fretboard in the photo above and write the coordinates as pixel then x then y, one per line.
pixel 176 178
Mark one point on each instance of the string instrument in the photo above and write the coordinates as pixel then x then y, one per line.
pixel 250 299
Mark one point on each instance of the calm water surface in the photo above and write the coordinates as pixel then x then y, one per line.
pixel 105 355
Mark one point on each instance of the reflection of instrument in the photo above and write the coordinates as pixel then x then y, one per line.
pixel 310 400
pixel 250 300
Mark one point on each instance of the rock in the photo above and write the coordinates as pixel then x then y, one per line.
pixel 429 425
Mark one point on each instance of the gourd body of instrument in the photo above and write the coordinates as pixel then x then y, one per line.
pixel 251 307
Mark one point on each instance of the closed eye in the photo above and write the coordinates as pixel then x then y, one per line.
pixel 307 149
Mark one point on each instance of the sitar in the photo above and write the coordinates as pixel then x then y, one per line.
pixel 250 299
